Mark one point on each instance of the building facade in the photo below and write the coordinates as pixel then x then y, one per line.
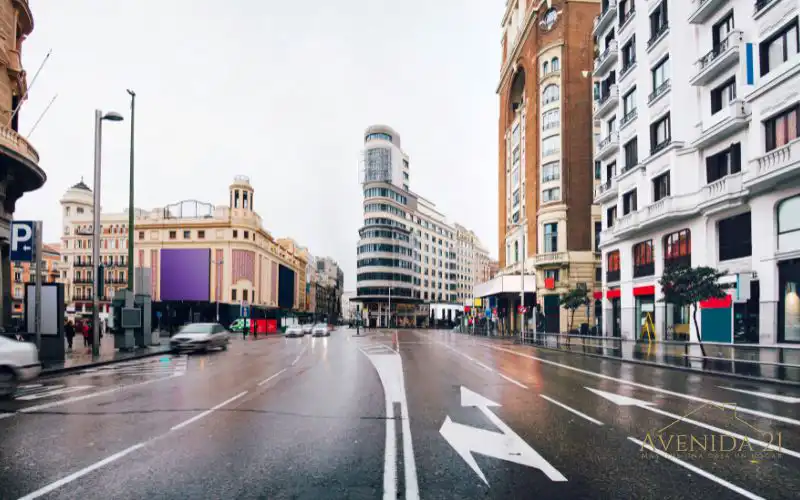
pixel 23 273
pixel 326 281
pixel 197 253
pixel 406 255
pixel 19 162
pixel 545 173
pixel 472 264
pixel 700 160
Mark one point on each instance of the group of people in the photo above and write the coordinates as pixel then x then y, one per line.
pixel 82 328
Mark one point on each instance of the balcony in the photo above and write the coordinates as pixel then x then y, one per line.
pixel 607 147
pixel 773 168
pixel 608 102
pixel 24 160
pixel 626 68
pixel 702 10
pixel 628 118
pixel 624 18
pixel 657 37
pixel 718 60
pixel 721 191
pixel 661 146
pixel 82 264
pixel 668 209
pixel 607 59
pixel 726 122
pixel 606 17
pixel 605 191
pixel 658 92
pixel 550 258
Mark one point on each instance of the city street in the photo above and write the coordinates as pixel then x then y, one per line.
pixel 396 414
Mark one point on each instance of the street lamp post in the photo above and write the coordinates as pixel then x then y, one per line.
pixel 130 196
pixel 98 136
pixel 219 287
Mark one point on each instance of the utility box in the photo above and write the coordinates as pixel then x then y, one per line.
pixel 144 302
pixel 123 337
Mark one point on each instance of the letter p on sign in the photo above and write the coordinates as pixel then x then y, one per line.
pixel 22 241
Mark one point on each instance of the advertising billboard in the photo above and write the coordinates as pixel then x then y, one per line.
pixel 185 274
pixel 286 278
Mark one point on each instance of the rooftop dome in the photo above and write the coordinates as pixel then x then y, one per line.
pixel 81 185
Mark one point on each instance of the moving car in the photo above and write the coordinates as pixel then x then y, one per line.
pixel 307 328
pixel 200 337
pixel 240 324
pixel 320 330
pixel 294 331
pixel 19 362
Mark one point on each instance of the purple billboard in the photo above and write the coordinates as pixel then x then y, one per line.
pixel 186 274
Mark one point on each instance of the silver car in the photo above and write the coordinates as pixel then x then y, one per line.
pixel 294 331
pixel 200 337
pixel 320 330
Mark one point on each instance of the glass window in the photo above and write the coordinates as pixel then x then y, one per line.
pixel 515 178
pixel 643 263
pixel 515 198
pixel 722 96
pixel 678 248
pixel 551 145
pixel 659 21
pixel 660 74
pixel 631 150
pixel 611 216
pixel 545 68
pixel 549 195
pixel 551 119
pixel 661 187
pixel 629 102
pixel 735 238
pixel 782 129
pixel 174 234
pixel 779 48
pixel 551 237
pixel 612 266
pixel 187 235
pixel 550 94
pixel 724 163
pixel 629 54
pixel 551 171
pixel 629 202
pixel 598 228
pixel 789 224
pixel 660 134
pixel 554 64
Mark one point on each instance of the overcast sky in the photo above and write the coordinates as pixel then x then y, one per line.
pixel 275 90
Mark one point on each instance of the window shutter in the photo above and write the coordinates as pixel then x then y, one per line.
pixel 736 158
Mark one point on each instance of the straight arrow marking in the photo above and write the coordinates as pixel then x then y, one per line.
pixel 627 401
pixel 766 395
pixel 504 445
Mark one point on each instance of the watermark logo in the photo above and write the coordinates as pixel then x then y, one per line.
pixel 739 439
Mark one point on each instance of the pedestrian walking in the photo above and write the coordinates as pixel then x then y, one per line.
pixel 69 332
pixel 85 333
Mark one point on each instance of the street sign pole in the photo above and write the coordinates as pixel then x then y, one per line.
pixel 37 233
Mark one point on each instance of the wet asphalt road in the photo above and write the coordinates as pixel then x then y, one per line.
pixel 396 414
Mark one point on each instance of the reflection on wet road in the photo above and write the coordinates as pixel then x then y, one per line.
pixel 396 414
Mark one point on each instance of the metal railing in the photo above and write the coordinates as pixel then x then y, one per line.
pixel 715 52
pixel 659 91
pixel 657 35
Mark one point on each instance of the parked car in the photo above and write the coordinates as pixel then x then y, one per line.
pixel 19 362
pixel 294 331
pixel 200 337
pixel 320 330
pixel 308 328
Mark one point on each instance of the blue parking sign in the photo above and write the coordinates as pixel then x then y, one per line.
pixel 23 239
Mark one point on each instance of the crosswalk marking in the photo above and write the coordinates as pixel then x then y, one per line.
pixel 51 391
pixel 166 366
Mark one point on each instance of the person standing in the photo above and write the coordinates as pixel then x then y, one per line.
pixel 69 331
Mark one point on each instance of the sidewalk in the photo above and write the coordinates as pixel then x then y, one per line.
pixel 772 364
pixel 81 357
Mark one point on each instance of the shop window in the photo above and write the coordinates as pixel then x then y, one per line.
pixel 678 249
pixel 789 224
pixel 735 238
pixel 612 266
pixel 789 306
pixel 643 263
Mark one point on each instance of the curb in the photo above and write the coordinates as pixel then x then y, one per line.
pixel 46 372
pixel 738 376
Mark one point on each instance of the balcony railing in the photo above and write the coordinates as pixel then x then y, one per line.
pixel 659 91
pixel 624 17
pixel 82 264
pixel 606 15
pixel 550 258
pixel 760 4
pixel 611 50
pixel 612 276
pixel 627 65
pixel 628 168
pixel 657 35
pixel 605 142
pixel 14 141
pixel 629 117
pixel 602 188
pixel 715 51
pixel 642 270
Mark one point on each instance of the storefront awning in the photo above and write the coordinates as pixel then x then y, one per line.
pixel 505 284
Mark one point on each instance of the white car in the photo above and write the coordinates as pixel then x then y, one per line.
pixel 308 328
pixel 19 362
pixel 200 337
pixel 294 331
pixel 320 330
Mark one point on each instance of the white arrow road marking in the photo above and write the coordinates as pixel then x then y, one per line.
pixel 631 383
pixel 697 470
pixel 389 366
pixel 766 395
pixel 55 392
pixel 573 410
pixel 505 445
pixel 647 405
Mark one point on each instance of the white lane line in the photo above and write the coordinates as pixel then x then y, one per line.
pixel 390 456
pixel 77 475
pixel 298 356
pixel 572 410
pixel 411 485
pixel 698 471
pixel 520 384
pixel 482 365
pixel 765 395
pixel 207 412
pixel 75 399
pixel 727 406
pixel 54 392
pixel 270 377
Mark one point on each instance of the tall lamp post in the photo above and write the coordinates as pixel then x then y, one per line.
pixel 98 136
pixel 218 288
pixel 130 197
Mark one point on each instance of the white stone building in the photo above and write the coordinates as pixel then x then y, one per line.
pixel 700 162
